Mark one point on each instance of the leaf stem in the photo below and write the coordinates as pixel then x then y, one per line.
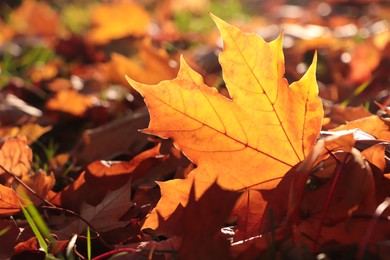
pixel 329 198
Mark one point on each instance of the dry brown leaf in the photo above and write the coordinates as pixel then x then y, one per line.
pixel 103 217
pixel 9 201
pixel 352 198
pixel 8 238
pixel 39 182
pixel 104 176
pixel 376 155
pixel 99 144
pixel 15 157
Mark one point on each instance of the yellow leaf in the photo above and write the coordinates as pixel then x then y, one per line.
pixel 31 131
pixel 117 20
pixel 154 68
pixel 247 142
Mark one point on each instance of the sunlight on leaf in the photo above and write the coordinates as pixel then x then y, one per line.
pixel 247 142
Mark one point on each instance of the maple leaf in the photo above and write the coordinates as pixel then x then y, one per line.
pixel 247 142
pixel 104 216
pixel 101 177
pixel 352 196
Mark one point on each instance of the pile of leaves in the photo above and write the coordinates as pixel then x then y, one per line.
pixel 232 162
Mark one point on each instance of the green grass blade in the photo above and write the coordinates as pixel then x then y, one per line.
pixel 356 92
pixel 40 223
pixel 34 228
pixel 89 243
pixel 4 230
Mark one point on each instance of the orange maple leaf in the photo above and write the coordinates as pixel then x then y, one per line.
pixel 247 142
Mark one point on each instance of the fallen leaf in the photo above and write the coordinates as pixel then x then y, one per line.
pixel 130 20
pixel 340 115
pixel 98 144
pixel 197 7
pixel 59 84
pixel 6 33
pixel 33 17
pixel 156 65
pixel 102 177
pixel 247 142
pixel 365 58
pixel 201 220
pixel 28 249
pixel 40 182
pixel 15 157
pixel 43 72
pixel 345 218
pixel 71 102
pixel 9 234
pixel 31 131
pixel 373 125
pixel 9 201
pixel 103 217
pixel 376 155
pixel 347 181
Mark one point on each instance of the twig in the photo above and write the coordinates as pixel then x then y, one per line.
pixel 71 212
pixel 26 186
pixel 116 251
pixel 51 206
pixel 133 250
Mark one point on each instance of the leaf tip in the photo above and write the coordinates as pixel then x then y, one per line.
pixel 134 84
pixel 213 16
pixel 184 66
pixel 313 66
pixel 131 81
pixel 218 21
